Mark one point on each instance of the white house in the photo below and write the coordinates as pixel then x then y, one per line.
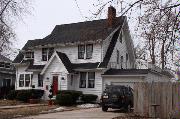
pixel 83 56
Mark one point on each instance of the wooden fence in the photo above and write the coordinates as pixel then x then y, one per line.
pixel 157 100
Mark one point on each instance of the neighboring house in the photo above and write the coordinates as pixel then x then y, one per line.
pixel 7 72
pixel 83 56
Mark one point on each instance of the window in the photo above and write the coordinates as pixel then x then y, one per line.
pixel 81 51
pixel 87 79
pixel 117 56
pixel 85 51
pixel 51 51
pixel 7 65
pixel 47 53
pixel 126 59
pixel 91 79
pixel 29 55
pixel 82 80
pixel 2 64
pixel 21 80
pixel 120 38
pixel 89 51
pixel 121 62
pixel 25 80
pixel 40 81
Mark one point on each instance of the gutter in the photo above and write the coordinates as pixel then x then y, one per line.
pixel 142 75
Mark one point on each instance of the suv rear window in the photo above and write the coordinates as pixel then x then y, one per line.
pixel 119 89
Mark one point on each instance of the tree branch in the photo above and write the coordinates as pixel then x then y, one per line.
pixel 5 7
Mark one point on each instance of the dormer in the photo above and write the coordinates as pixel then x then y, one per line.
pixel 28 55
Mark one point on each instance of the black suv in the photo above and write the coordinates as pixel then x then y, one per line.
pixel 117 97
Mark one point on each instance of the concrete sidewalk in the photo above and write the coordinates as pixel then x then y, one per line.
pixel 20 106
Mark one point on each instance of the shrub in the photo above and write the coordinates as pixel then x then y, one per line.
pixel 12 95
pixel 64 99
pixel 75 94
pixel 25 95
pixel 89 98
pixel 36 93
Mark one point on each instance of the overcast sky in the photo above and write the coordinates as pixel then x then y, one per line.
pixel 46 14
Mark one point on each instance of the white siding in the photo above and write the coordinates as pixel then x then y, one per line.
pixel 71 87
pixel 55 68
pixel 21 70
pixel 72 52
pixel 97 90
pixel 122 48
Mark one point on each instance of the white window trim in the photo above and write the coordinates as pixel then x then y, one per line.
pixel 24 80
pixel 87 81
pixel 85 49
pixel 32 57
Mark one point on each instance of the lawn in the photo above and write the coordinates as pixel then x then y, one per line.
pixel 25 111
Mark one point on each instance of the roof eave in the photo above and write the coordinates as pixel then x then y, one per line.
pixel 125 75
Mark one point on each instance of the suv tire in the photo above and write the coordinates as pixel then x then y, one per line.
pixel 128 108
pixel 104 108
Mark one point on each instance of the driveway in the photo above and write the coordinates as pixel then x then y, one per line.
pixel 93 113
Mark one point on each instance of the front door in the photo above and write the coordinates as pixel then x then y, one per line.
pixel 55 85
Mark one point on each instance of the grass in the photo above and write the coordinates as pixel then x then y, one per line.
pixel 10 102
pixel 25 111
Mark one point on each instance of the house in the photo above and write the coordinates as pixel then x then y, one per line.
pixel 83 56
pixel 7 75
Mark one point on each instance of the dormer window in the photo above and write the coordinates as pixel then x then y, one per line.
pixel 85 51
pixel 29 55
pixel 47 53
pixel 2 64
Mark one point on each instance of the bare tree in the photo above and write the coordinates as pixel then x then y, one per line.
pixel 158 25
pixel 10 12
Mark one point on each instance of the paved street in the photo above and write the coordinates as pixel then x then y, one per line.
pixel 93 113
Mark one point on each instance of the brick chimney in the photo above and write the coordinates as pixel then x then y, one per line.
pixel 111 16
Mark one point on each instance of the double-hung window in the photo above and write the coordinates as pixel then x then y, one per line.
pixel 47 53
pixel 21 80
pixel 89 51
pixel 127 57
pixel 81 51
pixel 29 55
pixel 85 51
pixel 82 83
pixel 25 80
pixel 87 80
pixel 117 57
pixel 122 62
pixel 91 79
